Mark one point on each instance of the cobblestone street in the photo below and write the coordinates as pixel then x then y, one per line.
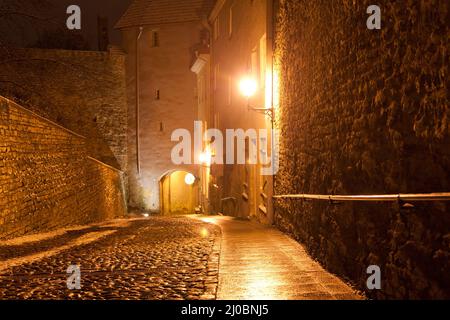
pixel 156 258
pixel 166 258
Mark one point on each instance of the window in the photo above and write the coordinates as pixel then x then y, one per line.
pixel 216 28
pixel 200 90
pixel 216 121
pixel 262 59
pixel 254 62
pixel 230 90
pixel 216 76
pixel 230 23
pixel 157 95
pixel 155 39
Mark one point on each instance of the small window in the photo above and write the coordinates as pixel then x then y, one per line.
pixel 155 39
pixel 230 90
pixel 230 23
pixel 157 95
pixel 216 76
pixel 216 121
pixel 216 28
pixel 254 63
pixel 263 59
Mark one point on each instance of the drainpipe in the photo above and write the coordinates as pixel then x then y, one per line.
pixel 138 92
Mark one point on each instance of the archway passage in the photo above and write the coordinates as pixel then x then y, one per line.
pixel 177 196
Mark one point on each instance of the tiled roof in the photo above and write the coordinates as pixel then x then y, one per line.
pixel 154 12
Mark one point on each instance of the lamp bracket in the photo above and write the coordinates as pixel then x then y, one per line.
pixel 267 111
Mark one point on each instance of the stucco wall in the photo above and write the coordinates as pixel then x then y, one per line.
pixel 165 68
pixel 243 53
pixel 366 112
pixel 46 178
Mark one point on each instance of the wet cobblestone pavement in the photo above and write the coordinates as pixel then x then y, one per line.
pixel 155 258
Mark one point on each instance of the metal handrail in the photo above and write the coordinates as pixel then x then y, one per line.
pixel 442 196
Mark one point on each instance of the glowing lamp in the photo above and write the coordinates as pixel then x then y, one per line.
pixel 189 179
pixel 248 87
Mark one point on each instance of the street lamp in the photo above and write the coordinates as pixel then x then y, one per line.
pixel 248 87
pixel 189 179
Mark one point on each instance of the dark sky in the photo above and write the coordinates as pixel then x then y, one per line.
pixel 90 9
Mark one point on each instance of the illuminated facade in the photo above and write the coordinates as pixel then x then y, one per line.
pixel 160 38
pixel 241 46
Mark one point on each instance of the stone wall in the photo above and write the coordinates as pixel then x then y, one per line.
pixel 167 102
pixel 47 179
pixel 83 91
pixel 366 112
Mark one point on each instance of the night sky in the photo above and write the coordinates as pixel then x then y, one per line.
pixel 38 19
pixel 90 9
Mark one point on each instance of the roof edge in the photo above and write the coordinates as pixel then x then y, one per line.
pixel 156 24
pixel 215 11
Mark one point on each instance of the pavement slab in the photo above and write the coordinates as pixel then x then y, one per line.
pixel 260 262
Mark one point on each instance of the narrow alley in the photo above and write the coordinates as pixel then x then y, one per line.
pixel 224 150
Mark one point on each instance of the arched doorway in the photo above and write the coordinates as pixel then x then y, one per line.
pixel 179 193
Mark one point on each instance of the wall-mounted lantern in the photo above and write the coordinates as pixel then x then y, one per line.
pixel 248 87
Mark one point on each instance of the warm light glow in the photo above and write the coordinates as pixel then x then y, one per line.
pixel 205 157
pixel 208 220
pixel 268 89
pixel 276 88
pixel 204 233
pixel 146 215
pixel 248 87
pixel 189 179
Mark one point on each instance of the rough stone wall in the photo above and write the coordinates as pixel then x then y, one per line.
pixel 83 91
pixel 366 112
pixel 46 178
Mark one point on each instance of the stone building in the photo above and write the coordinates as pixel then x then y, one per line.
pixel 241 47
pixel 359 111
pixel 160 39
pixel 201 66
